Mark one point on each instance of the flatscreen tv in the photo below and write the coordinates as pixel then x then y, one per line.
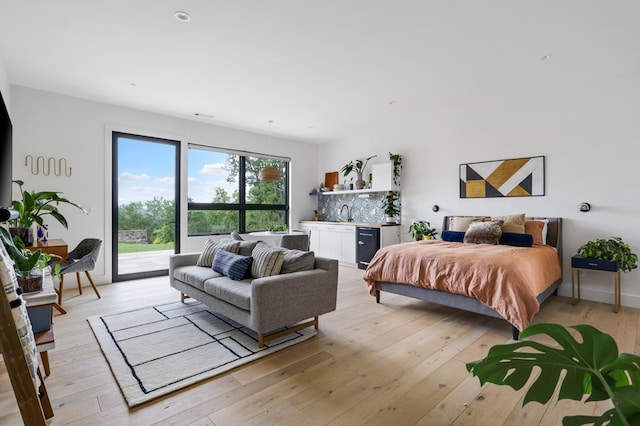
pixel 6 157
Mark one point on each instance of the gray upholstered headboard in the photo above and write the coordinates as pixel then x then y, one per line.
pixel 554 231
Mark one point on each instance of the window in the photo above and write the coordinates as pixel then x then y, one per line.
pixel 226 194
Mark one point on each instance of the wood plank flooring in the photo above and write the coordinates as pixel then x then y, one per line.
pixel 401 362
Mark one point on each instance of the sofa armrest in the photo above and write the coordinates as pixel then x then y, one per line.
pixel 288 298
pixel 182 259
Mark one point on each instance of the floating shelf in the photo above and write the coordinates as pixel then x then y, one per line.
pixel 350 191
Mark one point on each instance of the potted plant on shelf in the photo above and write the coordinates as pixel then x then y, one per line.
pixel 391 206
pixel 421 229
pixel 612 250
pixel 32 208
pixel 592 365
pixel 358 166
pixel 29 265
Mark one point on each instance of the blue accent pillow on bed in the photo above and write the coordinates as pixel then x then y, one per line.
pixel 453 236
pixel 518 240
pixel 232 265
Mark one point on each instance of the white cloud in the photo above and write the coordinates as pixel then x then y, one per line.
pixel 213 169
pixel 167 179
pixel 131 176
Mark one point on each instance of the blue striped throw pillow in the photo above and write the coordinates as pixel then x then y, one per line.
pixel 232 265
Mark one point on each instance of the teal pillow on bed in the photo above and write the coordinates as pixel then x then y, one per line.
pixel 232 265
pixel 517 240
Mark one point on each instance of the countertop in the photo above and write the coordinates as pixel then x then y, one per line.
pixel 326 222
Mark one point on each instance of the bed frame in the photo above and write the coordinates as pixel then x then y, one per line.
pixel 554 238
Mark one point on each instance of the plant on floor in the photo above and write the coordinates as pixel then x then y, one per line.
pixel 420 229
pixel 593 368
pixel 613 249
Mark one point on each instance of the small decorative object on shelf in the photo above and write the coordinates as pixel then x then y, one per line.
pixel 421 229
pixel 358 166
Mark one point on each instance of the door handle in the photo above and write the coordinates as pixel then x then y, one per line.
pixel 360 243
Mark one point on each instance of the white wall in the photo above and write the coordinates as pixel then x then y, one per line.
pixel 588 134
pixel 4 85
pixel 52 125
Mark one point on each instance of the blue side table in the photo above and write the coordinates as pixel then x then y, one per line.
pixel 578 263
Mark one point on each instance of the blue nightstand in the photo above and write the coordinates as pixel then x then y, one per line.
pixel 578 263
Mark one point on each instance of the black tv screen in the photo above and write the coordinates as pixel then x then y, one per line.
pixel 6 157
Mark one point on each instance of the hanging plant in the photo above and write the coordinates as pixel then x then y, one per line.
pixel 396 159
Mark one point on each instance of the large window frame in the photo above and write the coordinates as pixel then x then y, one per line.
pixel 242 207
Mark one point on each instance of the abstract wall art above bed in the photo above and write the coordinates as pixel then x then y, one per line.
pixel 518 177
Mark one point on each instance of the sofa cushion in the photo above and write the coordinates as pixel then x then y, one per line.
pixel 237 293
pixel 232 265
pixel 246 247
pixel 195 275
pixel 210 249
pixel 267 261
pixel 297 260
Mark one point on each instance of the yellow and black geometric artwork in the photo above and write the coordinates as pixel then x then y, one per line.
pixel 518 177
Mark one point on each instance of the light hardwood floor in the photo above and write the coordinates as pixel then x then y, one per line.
pixel 401 362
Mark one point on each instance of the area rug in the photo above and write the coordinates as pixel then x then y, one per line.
pixel 159 349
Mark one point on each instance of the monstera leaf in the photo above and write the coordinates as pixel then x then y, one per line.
pixel 593 367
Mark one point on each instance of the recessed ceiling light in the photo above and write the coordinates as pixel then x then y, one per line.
pixel 546 57
pixel 182 16
pixel 207 116
pixel 392 102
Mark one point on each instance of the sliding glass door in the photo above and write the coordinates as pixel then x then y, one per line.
pixel 145 217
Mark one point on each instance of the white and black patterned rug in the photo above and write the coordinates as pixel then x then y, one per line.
pixel 160 349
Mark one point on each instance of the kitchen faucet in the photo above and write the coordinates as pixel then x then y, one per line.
pixel 349 218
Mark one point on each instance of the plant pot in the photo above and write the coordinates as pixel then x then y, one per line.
pixel 427 237
pixel 359 180
pixel 391 219
pixel 31 281
pixel 24 233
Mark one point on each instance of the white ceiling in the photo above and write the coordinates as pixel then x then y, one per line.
pixel 322 70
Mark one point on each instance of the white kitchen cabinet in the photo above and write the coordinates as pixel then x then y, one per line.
pixel 335 241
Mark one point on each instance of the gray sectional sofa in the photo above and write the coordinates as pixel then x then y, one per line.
pixel 265 304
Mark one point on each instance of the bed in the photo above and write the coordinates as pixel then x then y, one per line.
pixel 501 281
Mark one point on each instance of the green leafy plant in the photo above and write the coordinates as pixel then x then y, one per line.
pixel 35 205
pixel 613 249
pixel 396 159
pixel 357 165
pixel 390 204
pixel 25 260
pixel 422 228
pixel 593 368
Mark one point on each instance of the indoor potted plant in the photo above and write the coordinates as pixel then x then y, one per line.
pixel 421 229
pixel 391 206
pixel 612 250
pixel 29 265
pixel 592 365
pixel 358 166
pixel 32 207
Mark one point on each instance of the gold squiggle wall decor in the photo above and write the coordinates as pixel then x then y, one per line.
pixel 58 166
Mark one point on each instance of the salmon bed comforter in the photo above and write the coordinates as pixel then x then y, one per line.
pixel 505 278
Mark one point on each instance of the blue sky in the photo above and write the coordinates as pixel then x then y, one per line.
pixel 146 170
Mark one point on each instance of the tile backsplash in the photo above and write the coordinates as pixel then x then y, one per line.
pixel 365 207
